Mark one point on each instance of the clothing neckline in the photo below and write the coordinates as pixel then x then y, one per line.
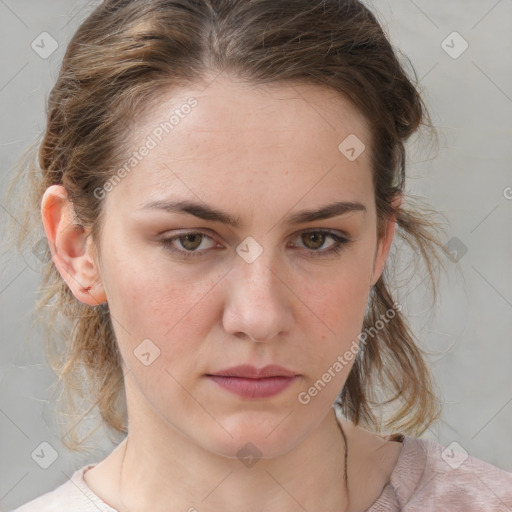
pixel 406 475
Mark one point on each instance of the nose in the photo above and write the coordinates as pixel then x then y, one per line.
pixel 259 304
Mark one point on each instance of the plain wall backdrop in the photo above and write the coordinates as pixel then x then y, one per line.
pixel 462 53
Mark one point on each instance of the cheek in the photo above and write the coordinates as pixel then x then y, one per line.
pixel 338 302
pixel 338 297
pixel 336 326
pixel 164 305
pixel 331 341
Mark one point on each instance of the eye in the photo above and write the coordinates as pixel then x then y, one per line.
pixel 189 242
pixel 315 239
pixel 192 241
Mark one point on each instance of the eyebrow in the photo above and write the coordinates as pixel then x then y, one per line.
pixel 206 212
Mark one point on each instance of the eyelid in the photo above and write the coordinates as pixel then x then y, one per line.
pixel 328 231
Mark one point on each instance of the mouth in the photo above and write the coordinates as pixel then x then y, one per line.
pixel 251 372
pixel 246 387
pixel 250 382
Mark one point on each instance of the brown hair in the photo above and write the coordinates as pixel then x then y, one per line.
pixel 118 62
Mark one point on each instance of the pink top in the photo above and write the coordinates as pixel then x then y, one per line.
pixel 427 477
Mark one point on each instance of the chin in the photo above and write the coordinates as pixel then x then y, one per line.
pixel 252 436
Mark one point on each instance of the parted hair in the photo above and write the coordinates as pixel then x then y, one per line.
pixel 120 60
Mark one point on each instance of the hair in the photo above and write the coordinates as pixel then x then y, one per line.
pixel 118 63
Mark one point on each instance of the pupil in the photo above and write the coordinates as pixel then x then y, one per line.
pixel 319 238
pixel 187 238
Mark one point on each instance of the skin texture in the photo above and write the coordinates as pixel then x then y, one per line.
pixel 261 154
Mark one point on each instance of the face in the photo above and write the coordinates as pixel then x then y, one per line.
pixel 191 294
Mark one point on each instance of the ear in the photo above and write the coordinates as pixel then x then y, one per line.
pixel 384 243
pixel 72 251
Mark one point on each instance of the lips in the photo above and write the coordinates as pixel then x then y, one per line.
pixel 250 382
pixel 251 372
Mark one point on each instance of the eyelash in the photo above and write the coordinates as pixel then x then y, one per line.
pixel 335 249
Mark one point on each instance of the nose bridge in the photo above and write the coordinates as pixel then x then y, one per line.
pixel 256 259
pixel 258 276
pixel 257 302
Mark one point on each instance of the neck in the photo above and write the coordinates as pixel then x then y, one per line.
pixel 158 470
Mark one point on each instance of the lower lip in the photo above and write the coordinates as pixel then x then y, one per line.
pixel 253 388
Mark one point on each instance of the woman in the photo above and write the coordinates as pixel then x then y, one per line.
pixel 220 183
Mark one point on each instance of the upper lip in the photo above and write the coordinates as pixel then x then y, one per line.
pixel 248 371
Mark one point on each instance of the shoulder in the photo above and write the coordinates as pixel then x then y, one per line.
pixel 71 496
pixel 429 476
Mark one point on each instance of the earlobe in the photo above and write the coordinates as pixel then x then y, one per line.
pixel 70 247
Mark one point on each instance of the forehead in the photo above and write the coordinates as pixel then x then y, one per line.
pixel 237 134
pixel 226 107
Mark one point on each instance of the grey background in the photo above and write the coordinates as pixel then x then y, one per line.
pixel 470 99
